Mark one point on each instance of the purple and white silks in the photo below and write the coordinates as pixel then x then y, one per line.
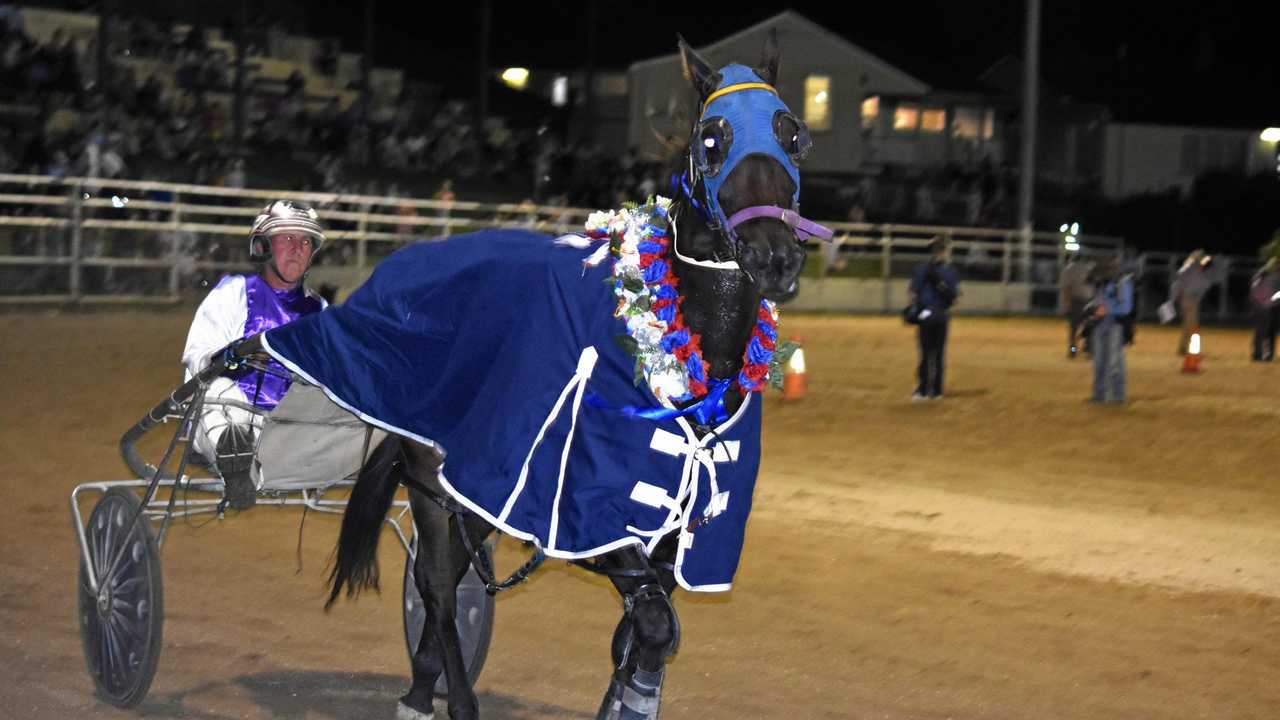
pixel 239 306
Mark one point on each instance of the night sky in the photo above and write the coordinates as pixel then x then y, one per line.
pixel 1207 63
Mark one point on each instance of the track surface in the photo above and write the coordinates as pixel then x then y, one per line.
pixel 1011 552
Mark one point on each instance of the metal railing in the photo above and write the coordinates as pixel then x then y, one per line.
pixel 126 241
pixel 80 239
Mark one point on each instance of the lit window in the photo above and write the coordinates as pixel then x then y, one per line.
pixel 933 120
pixel 560 91
pixel 817 102
pixel 905 118
pixel 988 124
pixel 966 123
pixel 870 111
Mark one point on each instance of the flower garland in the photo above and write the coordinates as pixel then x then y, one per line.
pixel 668 354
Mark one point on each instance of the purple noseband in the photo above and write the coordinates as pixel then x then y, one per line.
pixel 804 228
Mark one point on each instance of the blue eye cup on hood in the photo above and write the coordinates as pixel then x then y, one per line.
pixel 749 115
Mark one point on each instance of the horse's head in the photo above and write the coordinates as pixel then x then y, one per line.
pixel 742 172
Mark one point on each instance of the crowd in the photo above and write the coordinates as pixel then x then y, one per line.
pixel 978 197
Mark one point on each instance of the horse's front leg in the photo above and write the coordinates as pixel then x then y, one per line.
pixel 645 637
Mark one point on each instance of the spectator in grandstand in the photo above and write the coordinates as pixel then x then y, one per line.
pixel 1188 290
pixel 934 288
pixel 235 177
pixel 1075 290
pixel 1113 302
pixel 1264 306
pixel 445 194
pixel 282 241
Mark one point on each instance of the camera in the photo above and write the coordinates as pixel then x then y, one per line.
pixel 1091 318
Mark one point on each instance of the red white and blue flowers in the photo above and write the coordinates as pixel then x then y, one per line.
pixel 668 354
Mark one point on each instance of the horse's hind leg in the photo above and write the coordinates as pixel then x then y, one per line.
pixel 439 566
pixel 644 639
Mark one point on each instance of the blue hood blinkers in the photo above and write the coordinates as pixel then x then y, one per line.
pixel 744 116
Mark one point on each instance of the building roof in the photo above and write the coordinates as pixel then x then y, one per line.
pixel 803 23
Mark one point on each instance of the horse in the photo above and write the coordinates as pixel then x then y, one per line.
pixel 692 281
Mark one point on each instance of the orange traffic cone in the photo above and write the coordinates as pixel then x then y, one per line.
pixel 1191 361
pixel 793 384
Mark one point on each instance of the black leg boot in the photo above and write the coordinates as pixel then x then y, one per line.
pixel 642 696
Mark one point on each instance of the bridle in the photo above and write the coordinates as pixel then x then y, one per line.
pixel 744 116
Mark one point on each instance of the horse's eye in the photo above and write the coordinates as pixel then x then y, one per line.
pixel 792 135
pixel 714 137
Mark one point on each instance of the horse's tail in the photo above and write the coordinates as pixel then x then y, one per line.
pixel 355 563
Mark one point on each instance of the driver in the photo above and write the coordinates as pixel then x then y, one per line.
pixel 282 242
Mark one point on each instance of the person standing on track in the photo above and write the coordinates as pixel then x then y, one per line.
pixel 933 290
pixel 1074 293
pixel 1113 303
pixel 1188 290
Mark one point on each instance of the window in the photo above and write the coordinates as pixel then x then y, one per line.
pixel 933 120
pixel 966 123
pixel 870 112
pixel 817 102
pixel 560 91
pixel 906 117
pixel 988 124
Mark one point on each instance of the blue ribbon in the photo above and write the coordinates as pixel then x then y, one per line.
pixel 710 410
pixel 680 184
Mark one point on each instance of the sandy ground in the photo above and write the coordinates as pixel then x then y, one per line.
pixel 1010 552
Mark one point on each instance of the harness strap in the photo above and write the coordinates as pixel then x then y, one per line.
pixel 597 568
pixel 480 560
pixel 803 227
pixel 736 88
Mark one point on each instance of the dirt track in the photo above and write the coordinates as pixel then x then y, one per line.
pixel 1011 552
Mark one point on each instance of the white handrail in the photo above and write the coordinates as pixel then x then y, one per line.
pixel 75 225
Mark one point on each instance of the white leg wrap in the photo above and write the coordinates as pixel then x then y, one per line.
pixel 404 712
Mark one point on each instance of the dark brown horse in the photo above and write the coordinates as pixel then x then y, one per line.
pixel 738 238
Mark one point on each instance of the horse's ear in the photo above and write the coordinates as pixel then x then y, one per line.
pixel 696 70
pixel 768 69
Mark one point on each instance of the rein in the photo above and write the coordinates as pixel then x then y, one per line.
pixel 480 560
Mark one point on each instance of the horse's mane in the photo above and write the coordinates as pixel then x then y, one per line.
pixel 672 155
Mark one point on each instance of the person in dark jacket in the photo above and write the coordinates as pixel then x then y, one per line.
pixel 934 289
pixel 1264 305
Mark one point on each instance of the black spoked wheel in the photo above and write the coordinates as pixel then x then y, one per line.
pixel 474 621
pixel 120 624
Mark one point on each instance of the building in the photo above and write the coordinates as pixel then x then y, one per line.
pixel 1143 158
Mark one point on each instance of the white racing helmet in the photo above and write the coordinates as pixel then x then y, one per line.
pixel 283 216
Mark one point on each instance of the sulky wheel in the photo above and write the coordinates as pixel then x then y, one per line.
pixel 120 624
pixel 475 619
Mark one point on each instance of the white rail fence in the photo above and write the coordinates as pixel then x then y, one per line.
pixel 85 240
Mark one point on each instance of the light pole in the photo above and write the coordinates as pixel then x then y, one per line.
pixel 1030 87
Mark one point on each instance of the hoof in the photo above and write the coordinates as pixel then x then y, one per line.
pixel 404 712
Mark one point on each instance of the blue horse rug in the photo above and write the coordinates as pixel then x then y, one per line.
pixel 485 346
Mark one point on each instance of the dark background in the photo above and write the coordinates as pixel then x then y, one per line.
pixel 1210 63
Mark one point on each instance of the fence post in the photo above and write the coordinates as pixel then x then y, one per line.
pixel 361 241
pixel 77 218
pixel 175 238
pixel 1006 269
pixel 1224 285
pixel 886 267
